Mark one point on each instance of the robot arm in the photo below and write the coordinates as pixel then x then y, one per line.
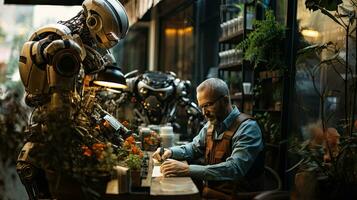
pixel 58 47
pixel 50 59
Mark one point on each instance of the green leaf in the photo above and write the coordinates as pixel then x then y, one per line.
pixel 330 5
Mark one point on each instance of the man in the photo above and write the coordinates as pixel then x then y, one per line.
pixel 230 142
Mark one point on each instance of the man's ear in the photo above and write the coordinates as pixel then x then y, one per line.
pixel 226 99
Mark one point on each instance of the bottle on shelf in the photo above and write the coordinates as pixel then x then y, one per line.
pixel 250 17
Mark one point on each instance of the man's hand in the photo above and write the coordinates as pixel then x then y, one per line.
pixel 174 168
pixel 161 156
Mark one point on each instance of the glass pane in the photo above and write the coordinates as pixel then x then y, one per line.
pixel 321 72
pixel 177 46
pixel 132 52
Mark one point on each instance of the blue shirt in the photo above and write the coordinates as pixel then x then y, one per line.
pixel 246 145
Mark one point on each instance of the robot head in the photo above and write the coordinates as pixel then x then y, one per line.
pixel 156 91
pixel 106 20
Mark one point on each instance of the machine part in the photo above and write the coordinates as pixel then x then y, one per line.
pixel 156 97
pixel 51 63
pixel 106 20
pixel 32 177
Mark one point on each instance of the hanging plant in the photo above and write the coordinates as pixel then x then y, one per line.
pixel 263 45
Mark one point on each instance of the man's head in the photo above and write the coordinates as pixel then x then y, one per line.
pixel 214 100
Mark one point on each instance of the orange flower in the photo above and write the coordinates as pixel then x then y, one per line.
pixel 126 144
pixel 98 149
pixel 148 140
pixel 131 139
pixel 333 140
pixel 98 146
pixel 87 151
pixel 135 149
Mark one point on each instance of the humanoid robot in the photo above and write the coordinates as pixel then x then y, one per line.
pixel 51 64
pixel 157 98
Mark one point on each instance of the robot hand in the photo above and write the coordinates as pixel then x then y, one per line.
pixel 64 56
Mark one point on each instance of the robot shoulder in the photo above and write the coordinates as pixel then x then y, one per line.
pixel 32 62
pixel 60 30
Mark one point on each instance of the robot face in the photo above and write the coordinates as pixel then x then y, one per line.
pixel 160 95
pixel 107 21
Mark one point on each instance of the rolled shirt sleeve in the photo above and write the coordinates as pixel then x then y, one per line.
pixel 192 150
pixel 246 145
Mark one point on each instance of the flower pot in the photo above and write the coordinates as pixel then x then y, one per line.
pixel 135 178
pixel 306 185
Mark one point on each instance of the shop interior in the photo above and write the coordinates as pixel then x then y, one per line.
pixel 91 131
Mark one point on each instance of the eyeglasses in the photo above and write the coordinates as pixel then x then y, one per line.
pixel 210 104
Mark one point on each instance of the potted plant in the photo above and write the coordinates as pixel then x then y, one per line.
pixel 133 160
pixel 150 140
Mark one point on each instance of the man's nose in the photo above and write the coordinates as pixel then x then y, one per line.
pixel 205 111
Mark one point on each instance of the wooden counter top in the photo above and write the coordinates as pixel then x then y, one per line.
pixel 161 188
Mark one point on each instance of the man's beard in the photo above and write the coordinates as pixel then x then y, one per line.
pixel 212 120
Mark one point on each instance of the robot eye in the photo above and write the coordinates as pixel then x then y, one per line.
pixel 92 21
pixel 162 95
pixel 143 91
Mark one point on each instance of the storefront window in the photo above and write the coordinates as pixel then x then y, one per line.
pixel 321 71
pixel 17 23
pixel 176 45
pixel 132 52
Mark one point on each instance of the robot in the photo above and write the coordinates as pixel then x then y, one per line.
pixel 157 98
pixel 52 63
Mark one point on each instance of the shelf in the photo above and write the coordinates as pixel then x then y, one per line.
pixel 235 66
pixel 234 38
pixel 248 96
pixel 266 110
pixel 267 74
pixel 237 96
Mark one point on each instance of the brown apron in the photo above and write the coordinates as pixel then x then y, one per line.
pixel 218 151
